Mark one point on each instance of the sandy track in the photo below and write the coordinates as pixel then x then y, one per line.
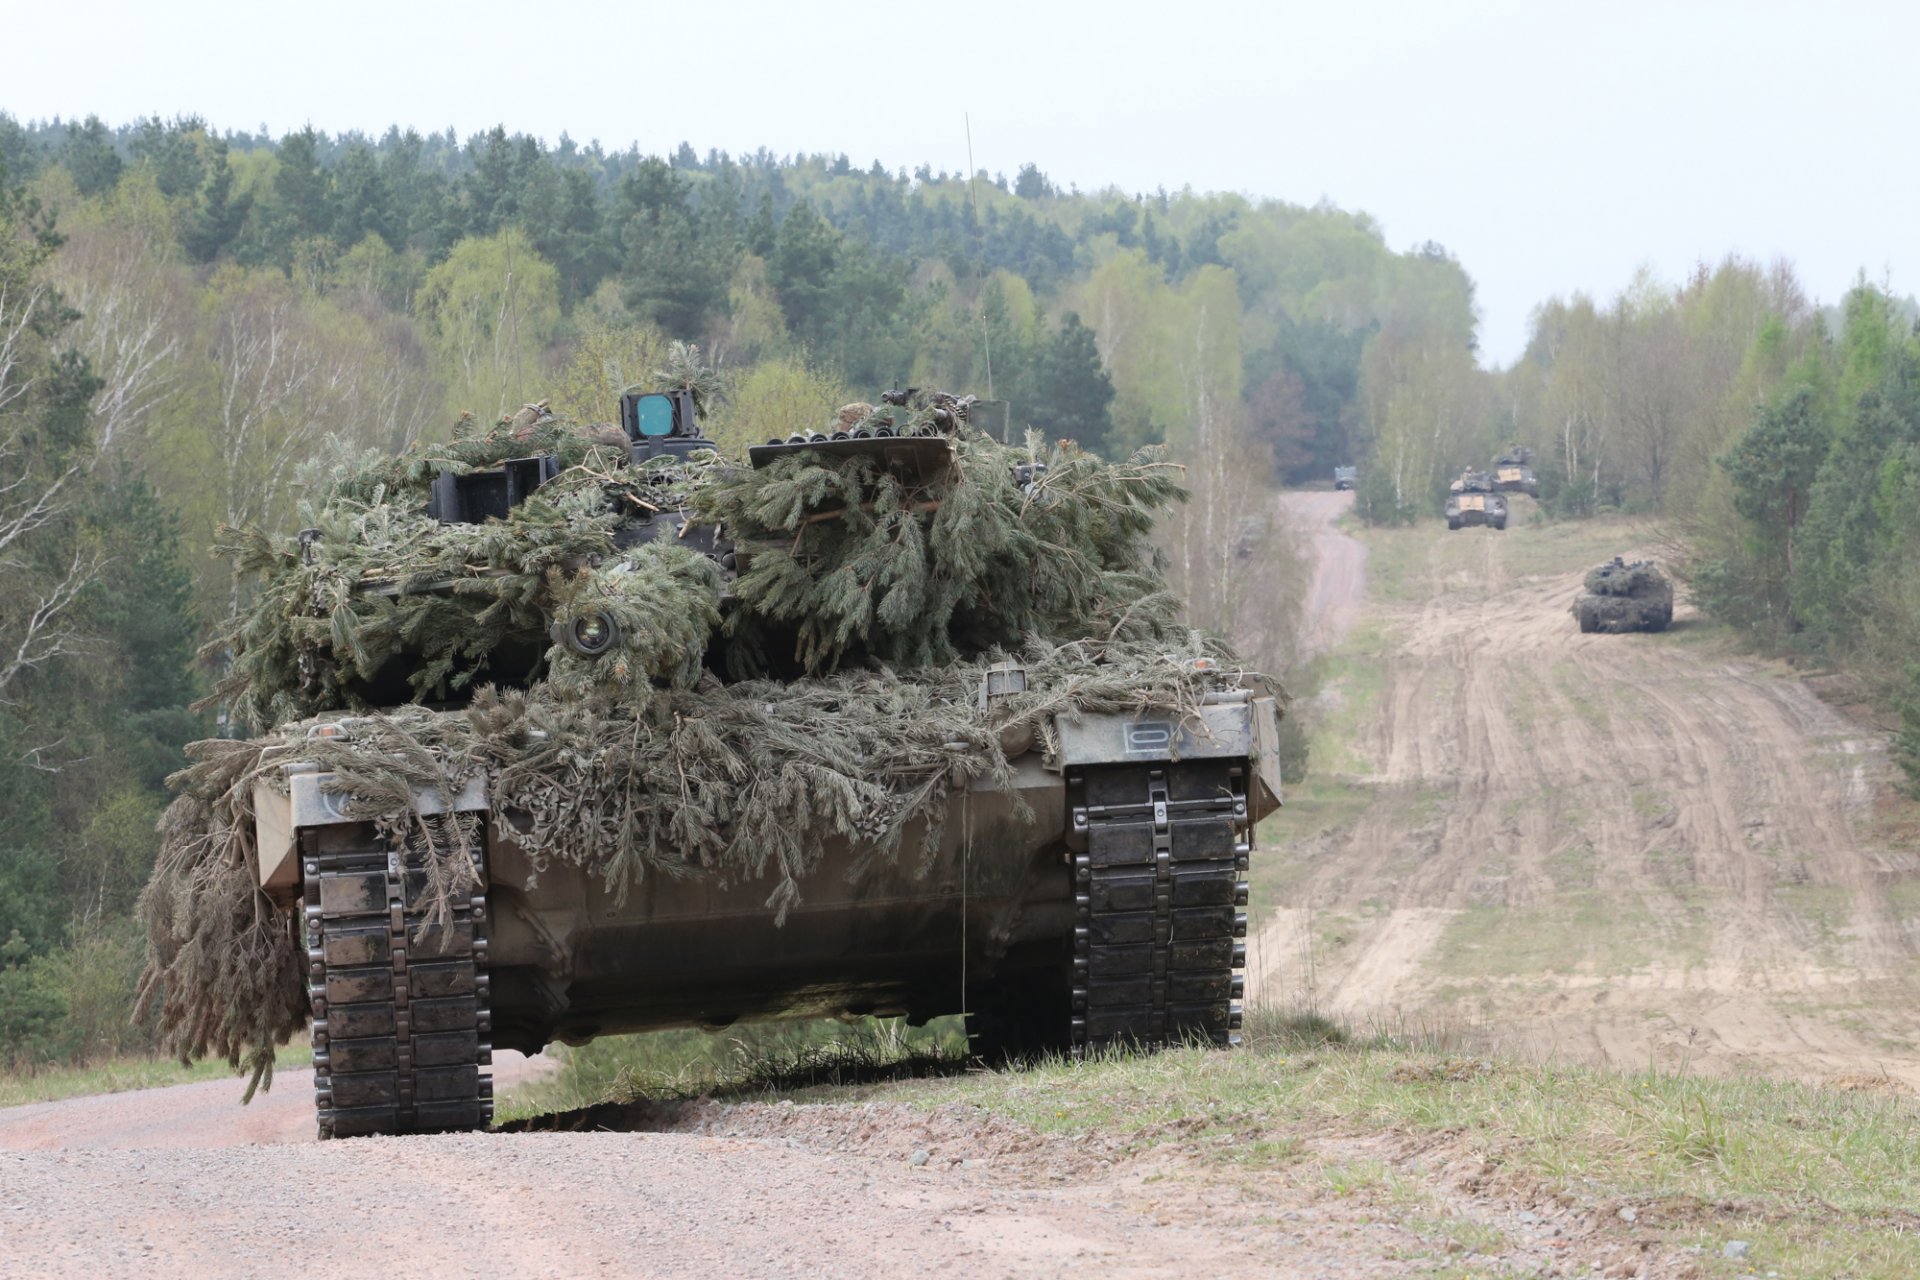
pixel 207 1114
pixel 1623 848
pixel 1337 588
pixel 873 1191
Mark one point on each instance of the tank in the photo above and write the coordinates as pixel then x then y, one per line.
pixel 1625 596
pixel 1344 477
pixel 1474 500
pixel 566 742
pixel 1513 471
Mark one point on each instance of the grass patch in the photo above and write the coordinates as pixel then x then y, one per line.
pixel 1578 689
pixel 1578 932
pixel 1649 804
pixel 1350 679
pixel 1570 546
pixel 757 1060
pixel 1399 562
pixel 120 1075
pixel 1821 1181
pixel 1820 913
pixel 1572 865
pixel 1287 840
pixel 1810 1176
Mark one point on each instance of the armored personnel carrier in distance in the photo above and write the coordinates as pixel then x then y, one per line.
pixel 1513 472
pixel 1345 477
pixel 705 785
pixel 1473 500
pixel 1625 596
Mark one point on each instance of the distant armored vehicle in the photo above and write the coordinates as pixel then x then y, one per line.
pixel 1622 596
pixel 1343 477
pixel 1513 472
pixel 1472 500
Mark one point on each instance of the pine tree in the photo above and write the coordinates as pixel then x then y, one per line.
pixel 1074 399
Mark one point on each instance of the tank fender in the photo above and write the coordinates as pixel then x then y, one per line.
pixel 1266 764
pixel 1220 730
pixel 280 815
pixel 1231 723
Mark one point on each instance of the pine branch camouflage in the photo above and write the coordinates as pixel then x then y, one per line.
pixel 829 690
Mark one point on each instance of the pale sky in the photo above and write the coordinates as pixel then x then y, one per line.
pixel 1551 147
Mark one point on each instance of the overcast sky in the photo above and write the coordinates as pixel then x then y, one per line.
pixel 1552 147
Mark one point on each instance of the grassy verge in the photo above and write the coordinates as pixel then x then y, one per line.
pixel 1818 1181
pixel 118 1075
pixel 1556 546
pixel 743 1061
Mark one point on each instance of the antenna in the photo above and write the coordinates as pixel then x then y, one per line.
pixel 979 252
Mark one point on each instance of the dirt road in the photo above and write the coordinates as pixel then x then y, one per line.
pixel 1337 589
pixel 865 1192
pixel 1630 849
pixel 195 1115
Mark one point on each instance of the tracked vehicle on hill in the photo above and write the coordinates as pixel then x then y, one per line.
pixel 1473 500
pixel 1045 823
pixel 1513 472
pixel 1623 596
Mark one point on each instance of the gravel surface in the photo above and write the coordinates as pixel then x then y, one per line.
pixel 858 1191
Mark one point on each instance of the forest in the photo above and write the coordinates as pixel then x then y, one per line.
pixel 194 320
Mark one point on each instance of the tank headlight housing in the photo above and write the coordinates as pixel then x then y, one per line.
pixel 590 635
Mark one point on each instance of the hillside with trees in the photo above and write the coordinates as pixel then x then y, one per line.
pixel 191 320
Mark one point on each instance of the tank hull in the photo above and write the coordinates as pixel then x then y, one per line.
pixel 1095 897
pixel 1620 614
pixel 1465 511
pixel 572 959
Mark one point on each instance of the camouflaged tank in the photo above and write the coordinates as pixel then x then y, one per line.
pixel 1052 840
pixel 1473 500
pixel 1625 596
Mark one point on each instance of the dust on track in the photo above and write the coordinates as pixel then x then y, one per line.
pixel 1633 850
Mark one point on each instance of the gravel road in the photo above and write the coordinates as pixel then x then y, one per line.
pixel 865 1192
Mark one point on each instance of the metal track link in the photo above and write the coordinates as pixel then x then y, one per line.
pixel 401 1025
pixel 1160 896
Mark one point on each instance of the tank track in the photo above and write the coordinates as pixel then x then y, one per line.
pixel 1160 895
pixel 401 1025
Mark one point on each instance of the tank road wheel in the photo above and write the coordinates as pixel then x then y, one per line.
pixel 1499 522
pixel 1453 522
pixel 400 1018
pixel 1160 895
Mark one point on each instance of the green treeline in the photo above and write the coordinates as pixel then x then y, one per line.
pixel 195 321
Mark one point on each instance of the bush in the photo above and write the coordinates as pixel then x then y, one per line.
pixel 95 976
pixel 33 1013
pixel 73 1005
